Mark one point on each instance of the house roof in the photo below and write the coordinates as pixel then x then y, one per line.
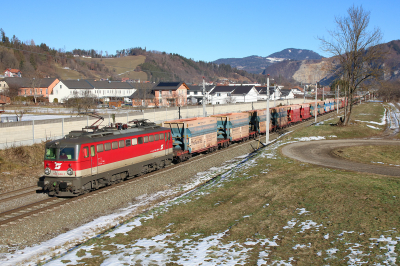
pixel 234 90
pixel 139 94
pixel 166 86
pixel 77 84
pixel 223 89
pixel 13 70
pixel 28 82
pixel 263 90
pixel 240 90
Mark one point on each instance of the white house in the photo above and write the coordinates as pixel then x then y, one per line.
pixel 274 92
pixel 105 90
pixel 233 94
pixel 287 94
pixel 11 72
pixel 195 93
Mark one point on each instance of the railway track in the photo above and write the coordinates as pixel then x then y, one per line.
pixel 18 193
pixel 36 208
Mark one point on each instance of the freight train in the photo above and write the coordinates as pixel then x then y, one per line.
pixel 96 157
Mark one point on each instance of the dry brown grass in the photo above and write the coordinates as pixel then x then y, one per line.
pixel 371 154
pixel 20 166
pixel 254 205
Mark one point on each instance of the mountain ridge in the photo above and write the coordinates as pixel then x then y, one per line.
pixel 257 64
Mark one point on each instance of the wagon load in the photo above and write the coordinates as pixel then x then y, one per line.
pixel 193 134
pixel 294 113
pixel 257 120
pixel 321 107
pixel 232 126
pixel 305 111
pixel 282 116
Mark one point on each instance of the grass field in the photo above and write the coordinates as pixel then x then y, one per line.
pixel 269 210
pixel 68 73
pixel 122 66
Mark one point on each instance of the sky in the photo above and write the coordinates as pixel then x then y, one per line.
pixel 202 30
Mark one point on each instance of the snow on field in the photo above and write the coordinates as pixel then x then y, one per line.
pixel 394 117
pixel 196 249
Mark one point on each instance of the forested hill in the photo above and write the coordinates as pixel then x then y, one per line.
pixel 39 60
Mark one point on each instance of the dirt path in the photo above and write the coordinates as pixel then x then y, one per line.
pixel 320 153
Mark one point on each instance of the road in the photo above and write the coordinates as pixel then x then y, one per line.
pixel 320 153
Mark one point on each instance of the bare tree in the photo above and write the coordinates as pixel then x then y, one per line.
pixel 357 55
pixel 230 99
pixel 12 91
pixel 81 101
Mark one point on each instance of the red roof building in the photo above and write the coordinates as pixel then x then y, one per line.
pixel 11 72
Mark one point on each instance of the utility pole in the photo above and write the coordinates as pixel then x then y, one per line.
pixel 304 92
pixel 337 100
pixel 316 106
pixel 267 113
pixel 204 99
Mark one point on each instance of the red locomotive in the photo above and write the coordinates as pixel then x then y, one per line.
pixel 92 158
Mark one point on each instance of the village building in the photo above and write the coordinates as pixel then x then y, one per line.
pixel 105 91
pixel 171 93
pixel 11 72
pixel 38 88
pixel 233 94
pixel 274 93
pixel 195 94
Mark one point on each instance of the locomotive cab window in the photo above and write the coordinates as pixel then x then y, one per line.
pixel 50 154
pixel 67 154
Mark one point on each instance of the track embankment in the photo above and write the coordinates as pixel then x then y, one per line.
pixel 320 153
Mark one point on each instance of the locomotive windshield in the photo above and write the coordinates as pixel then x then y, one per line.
pixel 60 154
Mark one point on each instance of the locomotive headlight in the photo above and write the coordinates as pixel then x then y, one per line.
pixel 70 171
pixel 47 171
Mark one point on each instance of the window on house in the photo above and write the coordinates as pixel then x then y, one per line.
pixel 60 86
pixel 195 93
pixel 170 92
pixel 160 100
pixel 218 94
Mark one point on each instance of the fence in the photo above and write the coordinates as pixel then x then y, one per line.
pixel 36 131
